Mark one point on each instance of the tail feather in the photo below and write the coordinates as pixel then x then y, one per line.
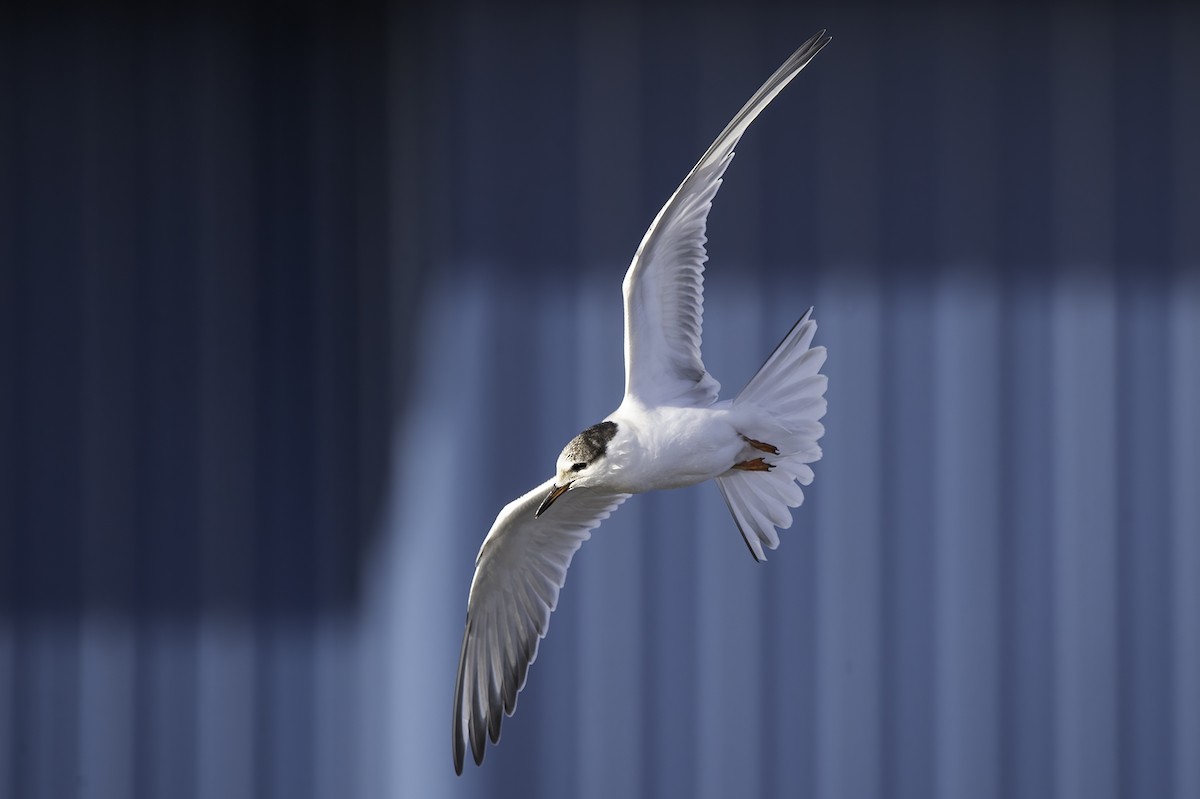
pixel 785 401
pixel 753 532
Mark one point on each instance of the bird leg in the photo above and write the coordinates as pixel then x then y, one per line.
pixel 756 465
pixel 760 446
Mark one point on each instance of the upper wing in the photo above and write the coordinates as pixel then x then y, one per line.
pixel 664 291
pixel 520 569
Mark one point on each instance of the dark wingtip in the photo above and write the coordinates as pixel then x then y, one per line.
pixel 459 749
pixel 478 742
pixel 459 744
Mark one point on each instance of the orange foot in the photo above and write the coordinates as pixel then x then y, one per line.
pixel 760 446
pixel 756 465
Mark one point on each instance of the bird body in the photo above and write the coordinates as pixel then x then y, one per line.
pixel 658 448
pixel 670 431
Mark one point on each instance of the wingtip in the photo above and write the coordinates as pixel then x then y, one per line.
pixel 819 39
pixel 461 734
pixel 459 747
pixel 478 742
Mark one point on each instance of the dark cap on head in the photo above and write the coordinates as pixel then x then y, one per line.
pixel 591 443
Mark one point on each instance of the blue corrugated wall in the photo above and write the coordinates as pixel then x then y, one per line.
pixel 293 301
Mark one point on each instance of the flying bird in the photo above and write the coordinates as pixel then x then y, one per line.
pixel 669 431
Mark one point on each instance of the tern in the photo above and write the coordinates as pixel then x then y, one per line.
pixel 669 431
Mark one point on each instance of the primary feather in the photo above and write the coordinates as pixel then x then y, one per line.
pixel 664 287
pixel 521 567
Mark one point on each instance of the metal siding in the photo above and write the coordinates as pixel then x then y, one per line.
pixel 289 308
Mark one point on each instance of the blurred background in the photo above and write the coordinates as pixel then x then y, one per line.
pixel 293 300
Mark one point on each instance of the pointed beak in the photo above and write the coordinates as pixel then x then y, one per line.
pixel 554 494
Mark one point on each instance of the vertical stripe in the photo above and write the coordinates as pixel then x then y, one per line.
pixel 10 525
pixel 107 695
pixel 907 247
pixel 1182 308
pixel 608 589
pixel 611 603
pixel 728 599
pixel 1084 338
pixel 967 471
pixel 228 752
pixel 47 711
pixel 1084 410
pixel 1185 522
pixel 848 550
pixel 108 653
pixel 849 521
pixel 418 578
pixel 1026 223
pixel 965 404
pixel 8 707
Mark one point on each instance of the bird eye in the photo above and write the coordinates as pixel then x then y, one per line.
pixel 578 467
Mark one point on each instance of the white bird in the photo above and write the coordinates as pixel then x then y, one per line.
pixel 669 431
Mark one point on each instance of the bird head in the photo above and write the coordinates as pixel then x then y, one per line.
pixel 582 462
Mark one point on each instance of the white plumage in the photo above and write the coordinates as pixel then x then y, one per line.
pixel 669 431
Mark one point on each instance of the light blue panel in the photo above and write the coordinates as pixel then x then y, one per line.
pixel 850 688
pixel 966 404
pixel 610 677
pixel 285 689
pixel 966 438
pixel 108 660
pixel 669 547
pixel 336 731
pixel 729 590
pixel 227 748
pixel 419 577
pixel 788 669
pixel 605 733
pixel 597 743
pixel 849 563
pixel 49 695
pixel 1184 309
pixel 1083 332
pixel 1144 542
pixel 1085 520
pixel 1027 544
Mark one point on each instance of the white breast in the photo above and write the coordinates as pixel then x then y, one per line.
pixel 669 447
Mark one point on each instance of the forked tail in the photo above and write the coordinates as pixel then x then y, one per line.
pixel 783 405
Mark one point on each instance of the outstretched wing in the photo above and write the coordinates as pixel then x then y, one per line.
pixel 520 569
pixel 664 287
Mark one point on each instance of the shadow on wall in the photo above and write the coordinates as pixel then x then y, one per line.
pixel 206 340
pixel 197 313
